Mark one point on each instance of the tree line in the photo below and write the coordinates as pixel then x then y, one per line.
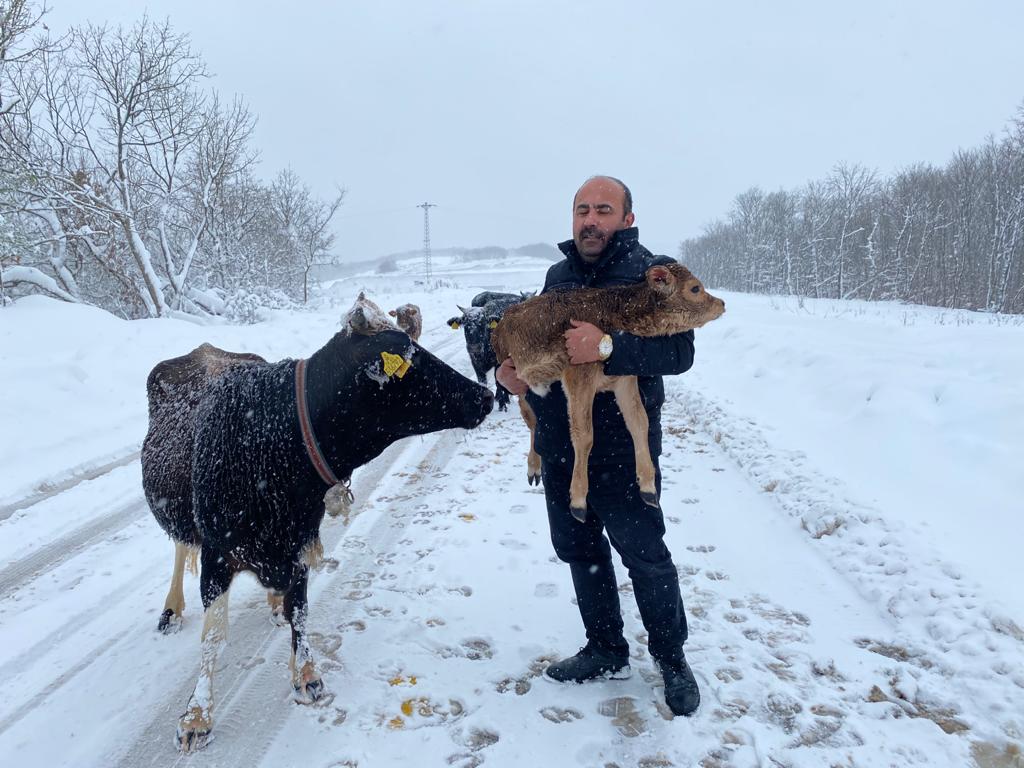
pixel 128 183
pixel 948 237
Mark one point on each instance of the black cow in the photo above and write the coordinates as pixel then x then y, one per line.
pixel 476 323
pixel 261 465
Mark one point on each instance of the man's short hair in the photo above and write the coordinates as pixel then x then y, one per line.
pixel 627 196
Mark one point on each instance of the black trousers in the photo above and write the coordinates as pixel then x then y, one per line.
pixel 637 532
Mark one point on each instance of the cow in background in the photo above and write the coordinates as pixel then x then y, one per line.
pixel 408 318
pixel 476 323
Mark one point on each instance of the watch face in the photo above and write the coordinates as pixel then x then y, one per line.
pixel 604 348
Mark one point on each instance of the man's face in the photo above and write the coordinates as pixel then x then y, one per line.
pixel 597 215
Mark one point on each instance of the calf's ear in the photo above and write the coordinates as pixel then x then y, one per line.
pixel 661 280
pixel 393 312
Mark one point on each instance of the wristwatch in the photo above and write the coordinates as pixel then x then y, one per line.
pixel 604 347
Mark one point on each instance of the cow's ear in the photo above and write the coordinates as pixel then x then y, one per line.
pixel 358 321
pixel 455 323
pixel 394 365
pixel 661 280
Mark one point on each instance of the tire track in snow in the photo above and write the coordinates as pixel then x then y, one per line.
pixel 61 550
pixel 53 487
pixel 253 703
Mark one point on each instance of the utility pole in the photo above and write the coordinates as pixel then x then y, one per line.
pixel 427 267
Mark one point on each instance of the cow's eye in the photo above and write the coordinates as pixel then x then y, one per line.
pixel 695 289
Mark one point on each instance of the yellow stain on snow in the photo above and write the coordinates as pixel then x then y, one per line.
pixel 467 517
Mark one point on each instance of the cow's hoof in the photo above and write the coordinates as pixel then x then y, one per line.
pixel 580 513
pixel 169 623
pixel 502 407
pixel 533 478
pixel 651 499
pixel 310 692
pixel 195 731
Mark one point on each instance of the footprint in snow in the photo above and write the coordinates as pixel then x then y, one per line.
pixel 559 715
pixel 625 717
pixel 545 589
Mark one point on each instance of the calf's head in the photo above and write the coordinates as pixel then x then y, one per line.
pixel 680 297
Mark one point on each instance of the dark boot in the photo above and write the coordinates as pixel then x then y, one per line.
pixel 681 692
pixel 590 663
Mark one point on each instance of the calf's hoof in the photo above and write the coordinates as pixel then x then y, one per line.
pixel 194 731
pixel 533 478
pixel 580 513
pixel 169 622
pixel 310 691
pixel 650 498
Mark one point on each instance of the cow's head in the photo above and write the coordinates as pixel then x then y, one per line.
pixel 476 323
pixel 402 388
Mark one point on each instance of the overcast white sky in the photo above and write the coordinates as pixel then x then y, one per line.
pixel 497 110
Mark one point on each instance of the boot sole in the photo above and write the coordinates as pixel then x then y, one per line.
pixel 619 674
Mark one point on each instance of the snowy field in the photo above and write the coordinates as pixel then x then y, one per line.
pixel 842 492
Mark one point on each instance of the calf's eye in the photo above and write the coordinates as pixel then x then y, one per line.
pixel 695 289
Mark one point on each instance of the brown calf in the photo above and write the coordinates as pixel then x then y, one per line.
pixel 408 318
pixel 669 301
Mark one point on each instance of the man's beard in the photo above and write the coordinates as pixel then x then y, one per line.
pixel 593 232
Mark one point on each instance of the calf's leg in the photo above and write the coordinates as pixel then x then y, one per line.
pixel 627 395
pixel 532 458
pixel 580 383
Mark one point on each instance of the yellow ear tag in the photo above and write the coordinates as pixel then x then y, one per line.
pixel 394 365
pixel 455 326
pixel 493 324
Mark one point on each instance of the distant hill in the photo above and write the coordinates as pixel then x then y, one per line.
pixel 495 252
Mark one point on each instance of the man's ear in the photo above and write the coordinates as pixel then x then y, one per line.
pixel 630 218
pixel 661 280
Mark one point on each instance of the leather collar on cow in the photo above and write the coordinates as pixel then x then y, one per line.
pixel 316 456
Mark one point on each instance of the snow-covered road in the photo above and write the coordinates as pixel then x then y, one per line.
pixel 823 631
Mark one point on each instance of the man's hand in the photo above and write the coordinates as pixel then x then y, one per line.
pixel 508 378
pixel 581 342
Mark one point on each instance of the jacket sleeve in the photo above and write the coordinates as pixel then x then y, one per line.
pixel 649 355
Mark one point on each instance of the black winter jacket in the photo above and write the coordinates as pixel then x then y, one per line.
pixel 624 261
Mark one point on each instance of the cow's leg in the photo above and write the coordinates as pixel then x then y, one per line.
pixel 174 605
pixel 532 458
pixel 627 395
pixel 305 676
pixel 195 726
pixel 502 395
pixel 580 382
pixel 276 602
pixel 480 369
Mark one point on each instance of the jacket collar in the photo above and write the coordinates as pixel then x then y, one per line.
pixel 622 242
